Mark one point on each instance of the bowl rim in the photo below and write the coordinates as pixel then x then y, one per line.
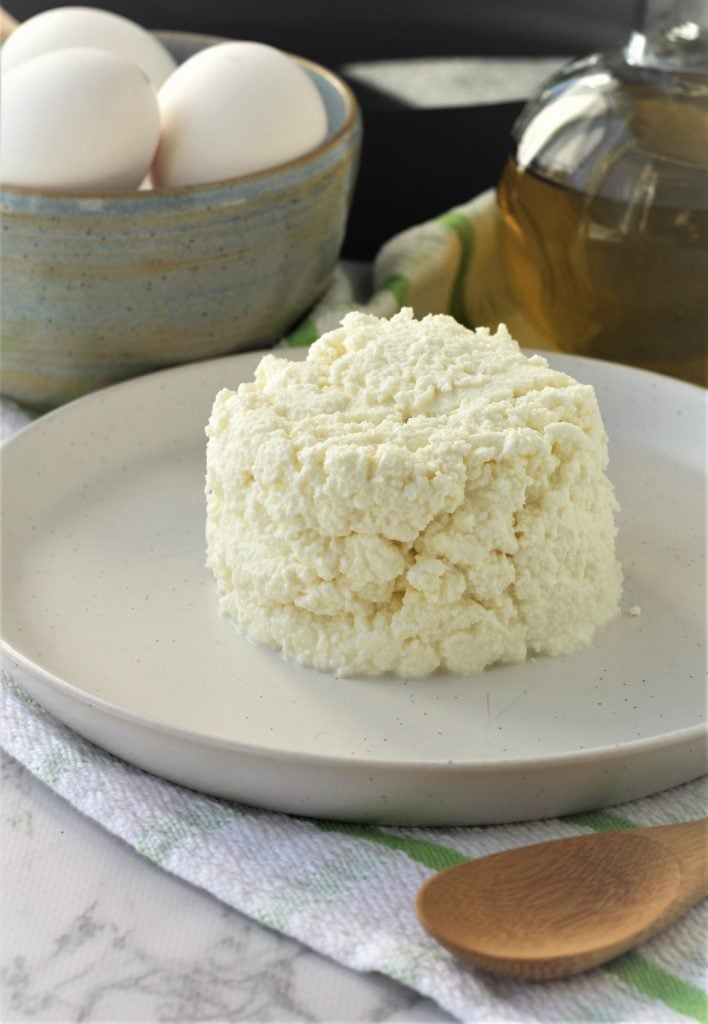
pixel 352 116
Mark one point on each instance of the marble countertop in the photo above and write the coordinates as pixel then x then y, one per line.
pixel 92 931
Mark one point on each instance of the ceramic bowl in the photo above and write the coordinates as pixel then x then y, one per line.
pixel 96 288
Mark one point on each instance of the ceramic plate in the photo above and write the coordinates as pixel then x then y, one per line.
pixel 110 620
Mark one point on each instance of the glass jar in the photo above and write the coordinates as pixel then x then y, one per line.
pixel 605 199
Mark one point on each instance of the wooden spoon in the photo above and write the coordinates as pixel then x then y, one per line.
pixel 558 908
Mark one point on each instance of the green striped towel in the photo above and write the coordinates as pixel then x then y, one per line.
pixel 348 891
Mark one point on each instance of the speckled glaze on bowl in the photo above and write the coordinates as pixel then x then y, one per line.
pixel 97 288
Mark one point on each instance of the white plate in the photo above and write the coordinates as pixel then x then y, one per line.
pixel 110 620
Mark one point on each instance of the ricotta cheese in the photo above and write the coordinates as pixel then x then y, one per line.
pixel 414 496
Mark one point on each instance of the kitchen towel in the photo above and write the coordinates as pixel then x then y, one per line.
pixel 348 891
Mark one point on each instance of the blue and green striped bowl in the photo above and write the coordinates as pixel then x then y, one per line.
pixel 96 288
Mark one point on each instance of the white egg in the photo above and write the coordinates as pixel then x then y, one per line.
pixel 232 109
pixel 65 27
pixel 77 120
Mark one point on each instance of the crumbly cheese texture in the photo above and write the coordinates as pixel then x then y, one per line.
pixel 414 496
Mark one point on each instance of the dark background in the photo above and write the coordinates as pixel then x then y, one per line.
pixel 415 163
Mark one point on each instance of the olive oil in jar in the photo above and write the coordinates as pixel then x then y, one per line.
pixel 605 211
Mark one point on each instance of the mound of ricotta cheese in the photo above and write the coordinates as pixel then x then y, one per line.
pixel 414 496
